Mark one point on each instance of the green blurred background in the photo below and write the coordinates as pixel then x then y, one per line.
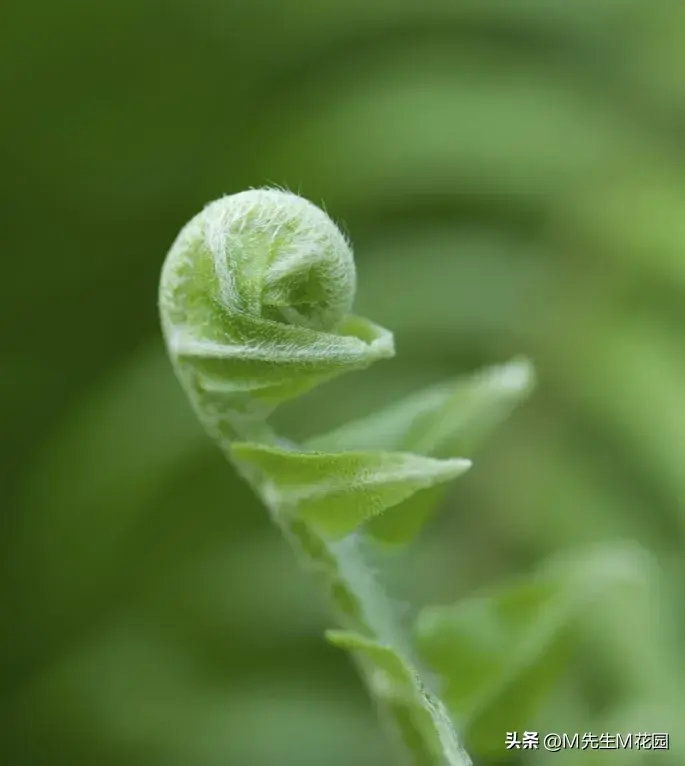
pixel 513 177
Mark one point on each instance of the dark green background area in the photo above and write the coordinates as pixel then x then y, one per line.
pixel 513 177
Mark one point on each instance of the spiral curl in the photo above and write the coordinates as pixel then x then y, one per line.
pixel 255 301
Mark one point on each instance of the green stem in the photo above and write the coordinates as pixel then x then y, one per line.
pixel 359 602
pixel 256 297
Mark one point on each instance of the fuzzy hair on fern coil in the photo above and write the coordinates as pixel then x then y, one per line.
pixel 256 299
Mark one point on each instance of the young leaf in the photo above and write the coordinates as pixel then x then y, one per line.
pixel 336 493
pixel 426 726
pixel 445 421
pixel 500 653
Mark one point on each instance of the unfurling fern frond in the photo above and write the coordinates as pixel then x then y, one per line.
pixel 256 297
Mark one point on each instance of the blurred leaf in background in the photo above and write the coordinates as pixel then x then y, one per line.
pixel 513 177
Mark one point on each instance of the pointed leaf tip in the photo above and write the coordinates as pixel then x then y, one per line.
pixel 337 493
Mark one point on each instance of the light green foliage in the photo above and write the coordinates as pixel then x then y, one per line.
pixel 255 298
pixel 335 494
pixel 430 736
pixel 501 652
pixel 444 420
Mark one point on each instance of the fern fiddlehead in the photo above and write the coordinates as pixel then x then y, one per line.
pixel 255 300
